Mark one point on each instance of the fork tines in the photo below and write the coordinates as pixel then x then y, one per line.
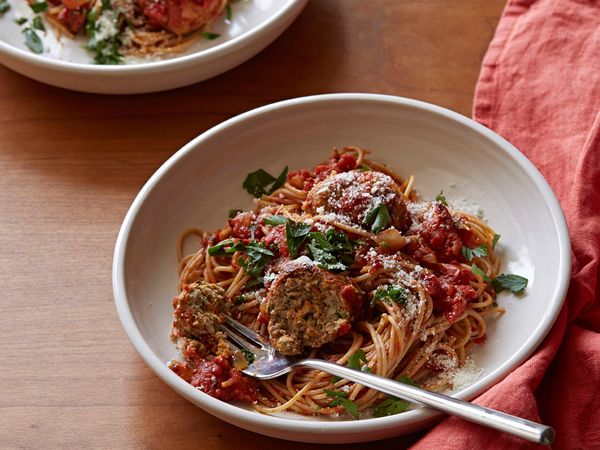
pixel 243 336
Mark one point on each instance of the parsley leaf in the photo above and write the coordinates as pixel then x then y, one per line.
pixel 258 257
pixel 341 399
pixel 106 51
pixel 248 355
pixel 394 293
pixel 275 220
pixel 441 199
pixel 234 212
pixel 354 362
pixel 495 240
pixel 514 283
pixel 479 252
pixel 5 7
pixel 220 250
pixel 38 24
pixel 331 251
pixel 364 168
pixel 106 4
pixel 389 407
pixel 210 36
pixel 295 234
pixel 38 7
pixel 477 271
pixel 228 12
pixel 393 405
pixel 20 20
pixel 377 218
pixel 33 41
pixel 257 183
pixel 406 380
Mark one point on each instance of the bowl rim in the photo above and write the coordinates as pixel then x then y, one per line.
pixel 252 419
pixel 226 47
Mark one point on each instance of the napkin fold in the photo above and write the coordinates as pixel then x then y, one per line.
pixel 539 88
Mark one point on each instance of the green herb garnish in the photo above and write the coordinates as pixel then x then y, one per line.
pixel 210 36
pixel 106 5
pixel 364 168
pixel 275 220
pixel 389 407
pixel 354 362
pixel 377 217
pixel 331 251
pixel 514 283
pixel 495 240
pixel 296 233
pixel 38 7
pixel 220 250
pixel 479 252
pixel 228 12
pixel 441 199
pixel 341 399
pixel 258 257
pixel 393 293
pixel 234 212
pixel 260 182
pixel 477 271
pixel 33 41
pixel 406 380
pixel 250 357
pixel 20 20
pixel 38 24
pixel 5 7
pixel 106 51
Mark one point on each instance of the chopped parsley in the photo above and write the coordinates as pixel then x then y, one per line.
pixel 106 50
pixel 210 36
pixel 240 300
pixel 234 212
pixel 296 233
pixel 33 41
pixel 495 240
pixel 389 407
pixel 393 405
pixel 19 21
pixel 38 24
pixel 220 250
pixel 377 217
pixel 38 7
pixel 479 251
pixel 393 293
pixel 259 183
pixel 513 283
pixel 477 271
pixel 341 399
pixel 354 362
pixel 228 12
pixel 331 251
pixel 364 168
pixel 441 199
pixel 5 7
pixel 250 357
pixel 275 220
pixel 258 257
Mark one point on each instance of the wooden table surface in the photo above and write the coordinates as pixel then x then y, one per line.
pixel 71 164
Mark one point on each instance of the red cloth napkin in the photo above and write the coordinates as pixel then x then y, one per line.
pixel 539 88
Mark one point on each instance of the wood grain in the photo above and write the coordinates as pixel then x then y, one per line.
pixel 71 163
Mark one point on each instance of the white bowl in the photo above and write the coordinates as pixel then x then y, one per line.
pixel 255 24
pixel 446 151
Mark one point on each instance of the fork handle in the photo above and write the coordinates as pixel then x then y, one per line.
pixel 497 420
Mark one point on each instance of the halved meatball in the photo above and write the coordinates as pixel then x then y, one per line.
pixel 309 307
pixel 351 195
pixel 198 310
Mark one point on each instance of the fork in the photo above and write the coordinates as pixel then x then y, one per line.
pixel 268 364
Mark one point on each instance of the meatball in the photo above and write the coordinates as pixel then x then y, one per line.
pixel 351 195
pixel 198 310
pixel 309 307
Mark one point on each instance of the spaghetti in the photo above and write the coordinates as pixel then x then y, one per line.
pixel 426 278
pixel 117 28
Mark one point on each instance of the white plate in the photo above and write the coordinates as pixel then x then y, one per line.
pixel 445 150
pixel 64 63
